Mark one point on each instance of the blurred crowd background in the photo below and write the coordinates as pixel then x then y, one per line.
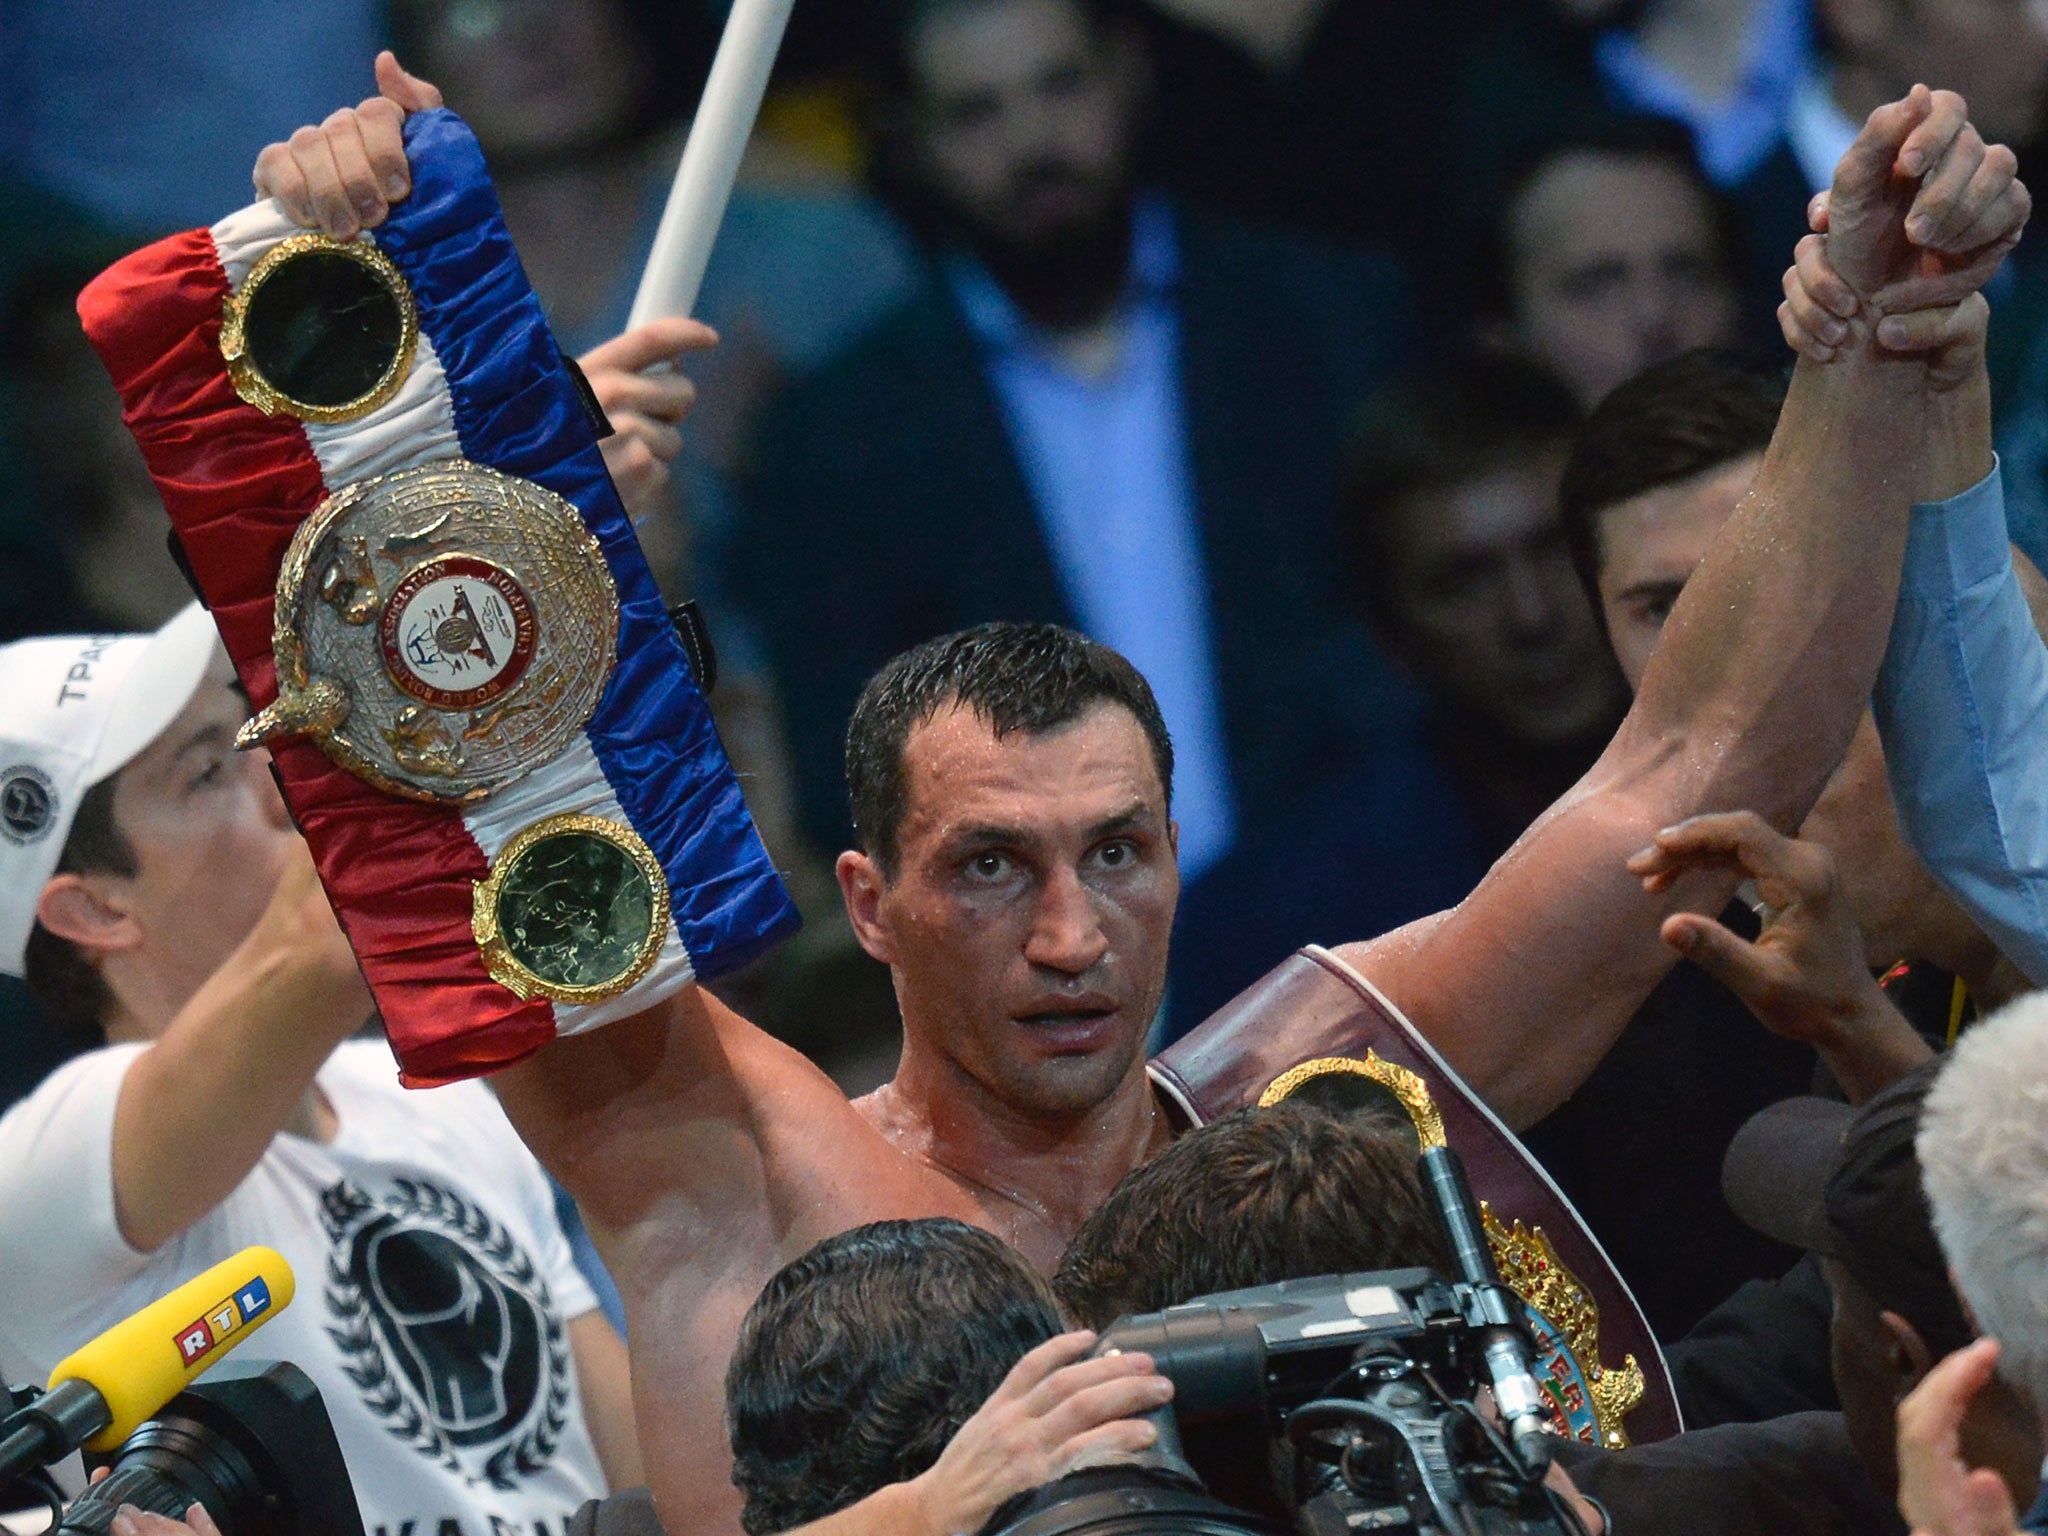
pixel 1246 335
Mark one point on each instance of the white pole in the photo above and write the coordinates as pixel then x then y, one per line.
pixel 711 160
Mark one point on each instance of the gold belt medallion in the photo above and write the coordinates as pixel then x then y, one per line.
pixel 321 329
pixel 441 631
pixel 575 908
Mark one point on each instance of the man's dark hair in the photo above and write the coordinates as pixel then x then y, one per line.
pixel 59 974
pixel 1609 138
pixel 1033 678
pixel 861 1359
pixel 1670 423
pixel 1429 432
pixel 1261 1195
pixel 1284 1193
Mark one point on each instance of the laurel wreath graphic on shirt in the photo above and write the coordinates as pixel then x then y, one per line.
pixel 356 1335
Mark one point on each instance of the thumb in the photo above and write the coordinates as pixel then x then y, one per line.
pixel 655 342
pixel 1731 961
pixel 408 90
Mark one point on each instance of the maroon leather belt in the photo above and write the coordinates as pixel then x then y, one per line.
pixel 1317 1027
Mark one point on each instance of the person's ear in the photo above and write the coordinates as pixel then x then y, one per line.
pixel 862 885
pixel 1906 1354
pixel 87 912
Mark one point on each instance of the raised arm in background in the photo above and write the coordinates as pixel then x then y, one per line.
pixel 1962 697
pixel 1765 665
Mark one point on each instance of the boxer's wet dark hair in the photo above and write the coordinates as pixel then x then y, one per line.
pixel 1681 418
pixel 861 1359
pixel 1033 678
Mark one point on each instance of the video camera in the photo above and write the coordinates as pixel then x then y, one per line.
pixel 1363 1390
pixel 252 1442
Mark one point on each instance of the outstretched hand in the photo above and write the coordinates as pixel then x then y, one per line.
pixel 1805 977
pixel 1939 1493
pixel 1922 210
pixel 343 176
pixel 1057 1410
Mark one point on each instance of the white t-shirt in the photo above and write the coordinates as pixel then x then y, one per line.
pixel 433 1284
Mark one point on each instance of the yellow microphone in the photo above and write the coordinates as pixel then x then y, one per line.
pixel 101 1394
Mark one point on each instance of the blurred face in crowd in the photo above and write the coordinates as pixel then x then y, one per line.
pixel 1877 1357
pixel 1487 606
pixel 1874 1366
pixel 1022 119
pixel 210 836
pixel 534 77
pixel 1027 922
pixel 1995 52
pixel 1614 264
pixel 1649 547
pixel 96 497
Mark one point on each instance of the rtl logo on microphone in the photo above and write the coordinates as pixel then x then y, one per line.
pixel 222 1321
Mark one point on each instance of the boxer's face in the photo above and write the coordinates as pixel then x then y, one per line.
pixel 1027 923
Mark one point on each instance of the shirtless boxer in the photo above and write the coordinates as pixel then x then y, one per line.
pixel 1024 891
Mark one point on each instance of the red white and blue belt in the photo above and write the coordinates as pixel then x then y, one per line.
pixel 385 480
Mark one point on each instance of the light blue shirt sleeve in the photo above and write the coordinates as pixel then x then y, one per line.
pixel 1962 706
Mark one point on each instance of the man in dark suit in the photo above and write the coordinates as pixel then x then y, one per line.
pixel 1100 408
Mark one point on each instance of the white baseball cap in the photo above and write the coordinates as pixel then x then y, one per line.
pixel 74 709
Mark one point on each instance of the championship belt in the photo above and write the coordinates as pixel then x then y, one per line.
pixel 385 481
pixel 1316 1028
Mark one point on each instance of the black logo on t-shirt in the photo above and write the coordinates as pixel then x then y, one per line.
pixel 448 1329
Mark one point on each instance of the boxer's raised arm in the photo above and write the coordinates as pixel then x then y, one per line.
pixel 1766 663
pixel 704 1156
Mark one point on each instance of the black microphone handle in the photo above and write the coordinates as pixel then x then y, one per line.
pixel 1443 1174
pixel 1504 1339
pixel 51 1427
pixel 21 1451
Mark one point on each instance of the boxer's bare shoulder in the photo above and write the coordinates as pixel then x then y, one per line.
pixel 689 1126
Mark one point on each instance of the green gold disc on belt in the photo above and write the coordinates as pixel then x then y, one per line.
pixel 321 329
pixel 441 631
pixel 575 908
